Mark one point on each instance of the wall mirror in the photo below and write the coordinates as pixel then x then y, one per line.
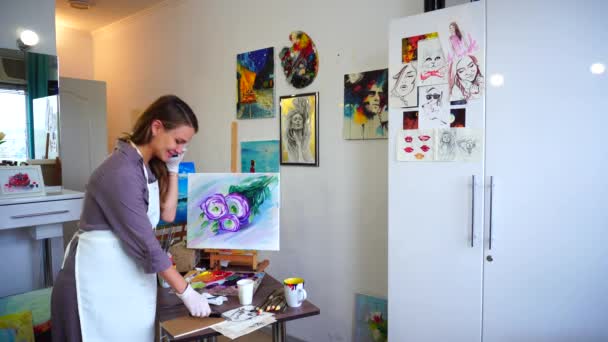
pixel 29 106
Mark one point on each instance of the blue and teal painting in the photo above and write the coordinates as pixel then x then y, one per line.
pixel 371 321
pixel 181 215
pixel 260 156
pixel 255 84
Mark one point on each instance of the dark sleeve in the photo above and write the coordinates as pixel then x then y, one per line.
pixel 121 195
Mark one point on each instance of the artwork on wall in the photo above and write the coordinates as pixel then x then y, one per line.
pixel 416 145
pixel 443 144
pixel 434 106
pixel 21 181
pixel 466 80
pixel 233 211
pixel 458 117
pixel 404 85
pixel 182 194
pixel 409 46
pixel 410 119
pixel 461 43
pixel 300 62
pixel 260 156
pixel 255 84
pixel 371 319
pixel 365 105
pixel 299 128
pixel 432 65
pixel 30 312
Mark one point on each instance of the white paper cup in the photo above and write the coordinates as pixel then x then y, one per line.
pixel 294 291
pixel 245 287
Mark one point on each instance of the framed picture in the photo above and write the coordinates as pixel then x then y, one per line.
pixel 21 181
pixel 299 127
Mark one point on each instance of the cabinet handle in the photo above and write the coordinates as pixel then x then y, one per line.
pixel 40 214
pixel 473 185
pixel 490 213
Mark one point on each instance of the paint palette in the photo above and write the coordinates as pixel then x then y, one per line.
pixel 227 285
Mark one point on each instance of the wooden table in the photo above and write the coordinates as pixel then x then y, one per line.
pixel 169 306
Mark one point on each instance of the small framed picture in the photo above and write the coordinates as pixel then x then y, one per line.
pixel 21 181
pixel 299 127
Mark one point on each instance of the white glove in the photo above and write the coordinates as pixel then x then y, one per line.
pixel 195 302
pixel 173 162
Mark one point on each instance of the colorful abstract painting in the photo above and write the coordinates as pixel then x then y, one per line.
pixel 299 128
pixel 182 194
pixel 260 156
pixel 33 307
pixel 300 61
pixel 365 105
pixel 233 210
pixel 409 46
pixel 255 84
pixel 371 320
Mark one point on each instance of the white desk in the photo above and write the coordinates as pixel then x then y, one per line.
pixel 44 217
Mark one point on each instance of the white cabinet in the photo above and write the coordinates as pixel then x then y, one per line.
pixel 546 212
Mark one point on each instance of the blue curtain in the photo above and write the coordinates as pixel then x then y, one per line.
pixel 37 69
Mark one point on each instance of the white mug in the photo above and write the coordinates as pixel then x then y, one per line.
pixel 245 287
pixel 294 291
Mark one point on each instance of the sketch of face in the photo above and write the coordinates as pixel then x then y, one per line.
pixel 432 55
pixel 371 102
pixel 452 29
pixel 406 81
pixel 297 121
pixel 467 145
pixel 433 98
pixel 466 69
pixel 446 138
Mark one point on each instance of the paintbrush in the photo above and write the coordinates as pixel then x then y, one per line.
pixel 270 296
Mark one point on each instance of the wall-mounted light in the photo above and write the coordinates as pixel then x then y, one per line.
pixel 597 68
pixel 27 39
pixel 80 4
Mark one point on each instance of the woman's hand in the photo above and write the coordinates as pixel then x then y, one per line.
pixel 195 302
pixel 173 162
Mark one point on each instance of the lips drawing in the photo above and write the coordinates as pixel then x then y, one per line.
pixel 424 137
pixel 408 149
pixel 425 148
pixel 419 156
pixel 408 139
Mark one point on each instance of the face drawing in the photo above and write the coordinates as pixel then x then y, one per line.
pixel 406 79
pixel 466 69
pixel 446 138
pixel 432 56
pixel 433 99
pixel 452 29
pixel 297 121
pixel 372 99
pixel 467 145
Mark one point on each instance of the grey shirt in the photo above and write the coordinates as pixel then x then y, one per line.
pixel 117 199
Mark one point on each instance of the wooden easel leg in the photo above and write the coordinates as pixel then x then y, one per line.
pixel 278 332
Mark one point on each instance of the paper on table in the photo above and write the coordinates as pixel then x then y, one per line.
pixel 237 329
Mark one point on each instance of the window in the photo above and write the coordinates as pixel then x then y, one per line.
pixel 13 123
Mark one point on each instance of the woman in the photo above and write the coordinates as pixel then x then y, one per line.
pixel 466 80
pixel 404 86
pixel 297 132
pixel 106 290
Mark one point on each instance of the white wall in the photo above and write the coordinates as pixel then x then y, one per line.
pixel 75 53
pixel 36 15
pixel 334 217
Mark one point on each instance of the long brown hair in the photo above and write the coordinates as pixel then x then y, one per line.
pixel 173 112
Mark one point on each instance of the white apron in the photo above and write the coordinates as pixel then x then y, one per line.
pixel 116 298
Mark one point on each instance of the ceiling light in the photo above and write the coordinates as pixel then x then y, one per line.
pixel 80 4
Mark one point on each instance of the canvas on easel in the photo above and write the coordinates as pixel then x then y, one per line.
pixel 233 211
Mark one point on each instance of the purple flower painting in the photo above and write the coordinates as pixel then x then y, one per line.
pixel 233 211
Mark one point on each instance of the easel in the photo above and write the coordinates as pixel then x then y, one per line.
pixel 239 257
